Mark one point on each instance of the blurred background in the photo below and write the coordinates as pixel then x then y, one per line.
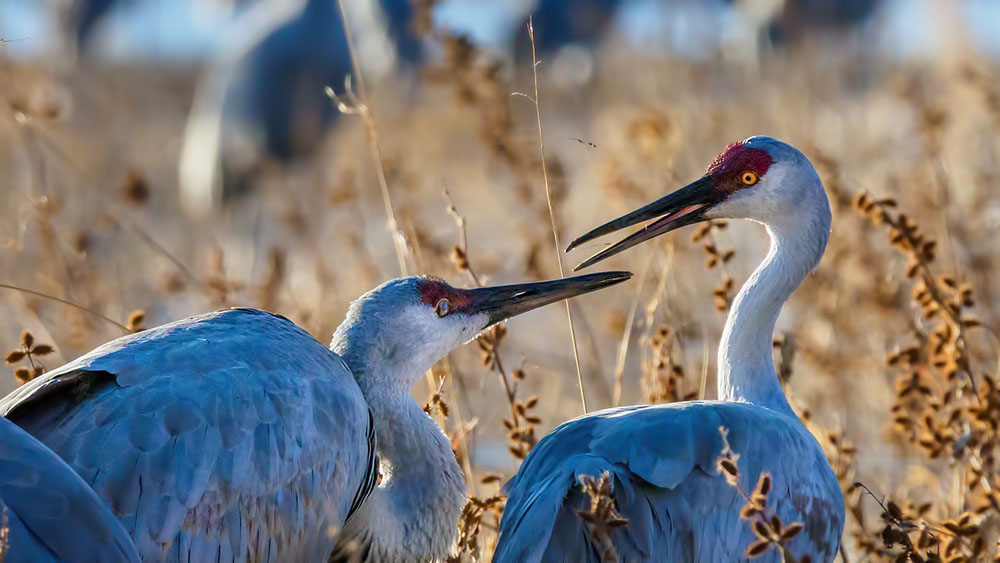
pixel 162 158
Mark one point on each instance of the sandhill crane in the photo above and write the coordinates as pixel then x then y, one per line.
pixel 49 513
pixel 237 436
pixel 260 98
pixel 799 19
pixel 559 23
pixel 757 26
pixel 662 458
pixel 261 93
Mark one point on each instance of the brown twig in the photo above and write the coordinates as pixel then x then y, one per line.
pixel 521 424
pixel 360 106
pixel 124 328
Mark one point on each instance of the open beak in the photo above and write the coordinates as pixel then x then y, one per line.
pixel 683 207
pixel 505 301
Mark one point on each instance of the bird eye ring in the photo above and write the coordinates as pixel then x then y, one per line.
pixel 749 178
pixel 442 308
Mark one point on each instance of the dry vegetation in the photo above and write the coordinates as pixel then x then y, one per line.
pixel 889 351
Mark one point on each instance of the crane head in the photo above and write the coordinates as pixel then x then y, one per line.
pixel 408 324
pixel 761 179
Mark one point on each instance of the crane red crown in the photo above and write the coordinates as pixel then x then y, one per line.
pixel 433 290
pixel 739 158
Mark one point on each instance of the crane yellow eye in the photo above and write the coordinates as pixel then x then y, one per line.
pixel 749 178
pixel 442 308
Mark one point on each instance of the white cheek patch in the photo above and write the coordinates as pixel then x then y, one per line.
pixel 760 202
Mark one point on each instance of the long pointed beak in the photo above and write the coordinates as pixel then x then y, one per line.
pixel 683 207
pixel 505 301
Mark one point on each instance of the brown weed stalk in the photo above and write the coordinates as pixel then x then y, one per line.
pixel 938 409
pixel 601 515
pixel 30 351
pixel 770 531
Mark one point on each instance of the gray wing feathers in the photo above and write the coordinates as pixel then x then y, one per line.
pixel 662 459
pixel 233 434
pixel 50 513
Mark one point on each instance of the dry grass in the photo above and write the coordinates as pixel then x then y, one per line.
pixel 89 214
pixel 768 528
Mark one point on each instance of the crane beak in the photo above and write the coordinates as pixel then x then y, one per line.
pixel 683 207
pixel 505 301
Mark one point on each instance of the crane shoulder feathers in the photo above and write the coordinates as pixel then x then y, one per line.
pixel 662 460
pixel 230 435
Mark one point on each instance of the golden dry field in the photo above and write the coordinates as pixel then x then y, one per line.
pixel 876 350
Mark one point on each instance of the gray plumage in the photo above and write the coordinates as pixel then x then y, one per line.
pixel 236 436
pixel 663 460
pixel 48 512
pixel 663 457
pixel 210 442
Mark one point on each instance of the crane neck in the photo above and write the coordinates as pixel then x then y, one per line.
pixel 413 513
pixel 746 366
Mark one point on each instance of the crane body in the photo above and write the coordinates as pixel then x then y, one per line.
pixel 207 439
pixel 236 435
pixel 663 461
pixel 662 458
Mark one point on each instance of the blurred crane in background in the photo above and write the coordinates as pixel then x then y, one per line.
pixel 662 459
pixel 261 97
pixel 49 513
pixel 259 102
pixel 796 19
pixel 237 436
pixel 567 32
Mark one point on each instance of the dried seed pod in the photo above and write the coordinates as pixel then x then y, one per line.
pixel 22 375
pixel 791 531
pixel 763 531
pixel 894 511
pixel 42 350
pixel 757 548
pixel 860 201
pixel 764 484
pixel 136 320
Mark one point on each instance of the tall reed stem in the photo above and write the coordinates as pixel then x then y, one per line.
pixel 552 215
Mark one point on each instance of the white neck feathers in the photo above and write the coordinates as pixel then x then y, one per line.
pixel 413 514
pixel 746 368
